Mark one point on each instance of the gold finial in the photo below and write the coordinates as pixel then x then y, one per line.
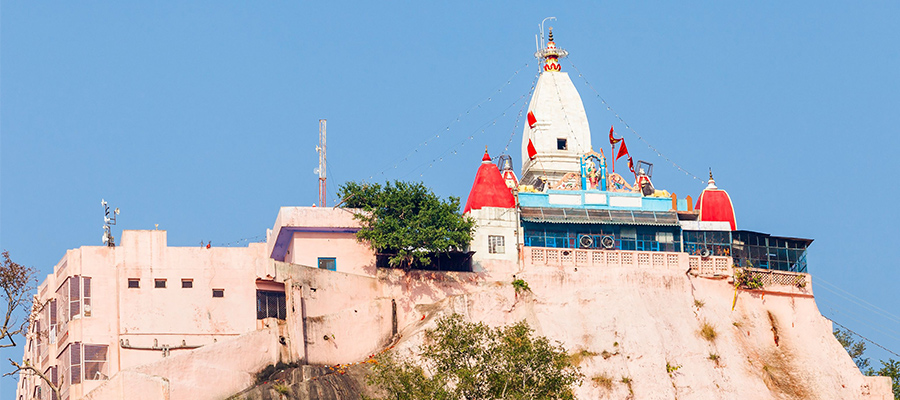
pixel 710 173
pixel 551 33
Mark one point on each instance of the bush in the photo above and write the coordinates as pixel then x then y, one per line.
pixel 473 361
pixel 747 280
pixel 707 331
pixel 282 389
pixel 603 381
pixel 521 286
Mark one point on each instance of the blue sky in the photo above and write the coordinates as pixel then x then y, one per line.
pixel 203 117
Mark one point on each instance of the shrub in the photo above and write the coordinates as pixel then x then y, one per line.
pixel 671 368
pixel 699 303
pixel 746 279
pixel 282 389
pixel 520 285
pixel 603 381
pixel 714 357
pixel 707 331
pixel 577 357
pixel 474 361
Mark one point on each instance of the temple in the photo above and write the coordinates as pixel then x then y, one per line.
pixel 145 320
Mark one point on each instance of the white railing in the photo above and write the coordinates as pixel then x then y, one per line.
pixel 709 266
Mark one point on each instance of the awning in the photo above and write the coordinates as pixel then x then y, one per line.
pixel 594 216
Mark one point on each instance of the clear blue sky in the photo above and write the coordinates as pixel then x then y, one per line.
pixel 203 117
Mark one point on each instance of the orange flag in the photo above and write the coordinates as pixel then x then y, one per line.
pixel 531 120
pixel 623 151
pixel 613 141
pixel 532 152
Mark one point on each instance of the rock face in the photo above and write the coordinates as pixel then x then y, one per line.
pixel 311 382
pixel 662 334
pixel 644 334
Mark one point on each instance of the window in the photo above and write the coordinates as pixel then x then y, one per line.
pixel 134 283
pixel 187 283
pixel 561 144
pixel 329 263
pixel 496 244
pixel 218 292
pixel 95 362
pixel 52 319
pixel 75 297
pixel 159 283
pixel 75 363
pixel 270 305
pixel 86 296
pixel 665 237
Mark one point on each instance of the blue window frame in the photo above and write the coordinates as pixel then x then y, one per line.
pixel 329 263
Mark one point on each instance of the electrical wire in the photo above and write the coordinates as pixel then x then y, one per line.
pixel 627 126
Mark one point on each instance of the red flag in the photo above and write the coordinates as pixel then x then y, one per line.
pixel 611 140
pixel 531 150
pixel 631 165
pixel 623 150
pixel 531 120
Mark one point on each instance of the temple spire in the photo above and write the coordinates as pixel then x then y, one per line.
pixel 551 55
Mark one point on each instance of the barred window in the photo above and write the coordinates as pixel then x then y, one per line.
pixel 134 283
pixel 95 367
pixel 75 297
pixel 218 292
pixel 86 296
pixel 496 244
pixel 187 283
pixel 270 305
pixel 75 363
pixel 159 283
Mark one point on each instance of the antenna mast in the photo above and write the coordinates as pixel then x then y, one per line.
pixel 109 219
pixel 321 149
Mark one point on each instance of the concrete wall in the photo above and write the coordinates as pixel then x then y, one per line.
pixel 351 256
pixel 493 221
pixel 213 372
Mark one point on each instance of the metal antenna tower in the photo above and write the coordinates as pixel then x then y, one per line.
pixel 321 170
pixel 109 219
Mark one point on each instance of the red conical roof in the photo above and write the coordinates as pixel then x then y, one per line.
pixel 715 205
pixel 489 189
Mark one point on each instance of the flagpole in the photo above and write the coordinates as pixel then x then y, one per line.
pixel 612 154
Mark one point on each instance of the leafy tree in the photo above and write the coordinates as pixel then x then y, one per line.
pixel 408 221
pixel 472 361
pixel 17 281
pixel 854 348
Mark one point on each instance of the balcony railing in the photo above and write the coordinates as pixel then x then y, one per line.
pixel 704 266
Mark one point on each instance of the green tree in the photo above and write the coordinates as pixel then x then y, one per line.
pixel 408 221
pixel 854 348
pixel 472 361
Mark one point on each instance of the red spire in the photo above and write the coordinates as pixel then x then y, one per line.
pixel 715 205
pixel 489 189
